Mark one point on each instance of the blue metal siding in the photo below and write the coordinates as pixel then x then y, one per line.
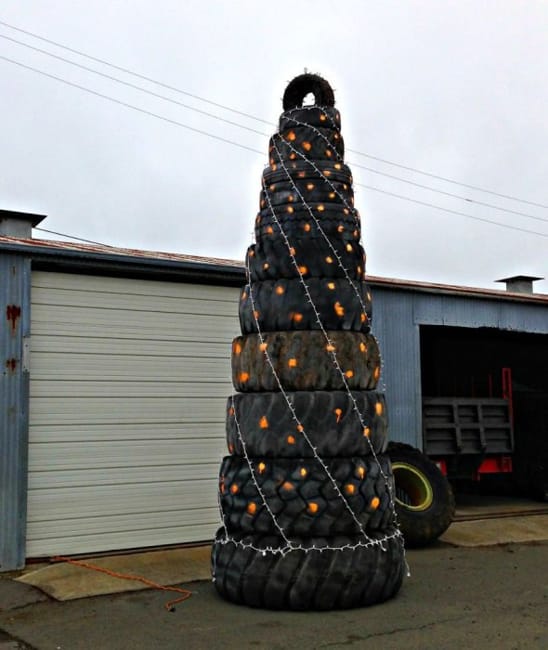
pixel 398 338
pixel 473 312
pixel 14 408
pixel 397 317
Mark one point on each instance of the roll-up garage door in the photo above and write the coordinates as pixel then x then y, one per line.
pixel 129 380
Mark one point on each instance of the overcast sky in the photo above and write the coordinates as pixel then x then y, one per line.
pixel 457 89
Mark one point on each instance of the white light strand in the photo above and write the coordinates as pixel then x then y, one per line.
pixel 331 347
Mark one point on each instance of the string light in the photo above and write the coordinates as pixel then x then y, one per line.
pixel 289 545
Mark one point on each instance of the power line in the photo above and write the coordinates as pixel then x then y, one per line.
pixel 462 214
pixel 135 108
pixel 247 128
pixel 448 180
pixel 62 234
pixel 237 144
pixel 134 74
pixel 130 85
pixel 258 119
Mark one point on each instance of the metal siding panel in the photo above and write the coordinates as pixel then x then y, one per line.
pixel 129 386
pixel 399 343
pixel 14 379
pixel 460 311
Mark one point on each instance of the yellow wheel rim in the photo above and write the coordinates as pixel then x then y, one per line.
pixel 413 489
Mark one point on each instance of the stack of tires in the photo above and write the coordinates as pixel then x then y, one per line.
pixel 306 492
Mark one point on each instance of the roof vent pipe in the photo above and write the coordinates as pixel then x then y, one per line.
pixel 19 224
pixel 520 283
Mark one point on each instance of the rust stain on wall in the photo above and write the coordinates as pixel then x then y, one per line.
pixel 13 313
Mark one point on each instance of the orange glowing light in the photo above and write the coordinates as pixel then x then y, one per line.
pixel 291 136
pixel 231 411
pixel 379 408
pixel 269 230
pixel 349 248
pixel 323 117
pixel 290 440
pixel 327 173
pixel 339 309
pixel 290 209
pixel 244 295
pixel 292 251
pixel 332 195
pixel 349 374
pixel 251 508
pixel 292 155
pixel 346 210
pixel 363 347
pixel 329 259
pixel 251 253
pixel 300 428
pixel 338 413
pixel 244 376
pixel 303 270
pixel 321 207
pixel 331 285
pixel 363 318
pixel 280 290
pixel 303 472
pixel 266 266
pixel 337 165
pixel 306 146
pixel 366 432
pixel 307 227
pixel 310 186
pixel 292 363
pixel 297 317
pixel 234 488
pixel 263 422
pixel 361 471
pixel 377 373
pixel 272 187
pixel 375 501
pixel 291 198
pixel 256 314
pixel 287 485
pixel 349 488
pixel 330 348
pixel 301 174
pixel 340 228
pixel 328 153
pixel 312 508
pixel 263 346
pixel 261 468
pixel 237 348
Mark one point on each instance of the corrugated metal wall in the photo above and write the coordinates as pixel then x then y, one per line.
pixel 397 317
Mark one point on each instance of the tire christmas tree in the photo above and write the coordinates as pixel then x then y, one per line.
pixel 306 494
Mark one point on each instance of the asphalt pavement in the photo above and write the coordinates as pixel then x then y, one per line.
pixel 457 597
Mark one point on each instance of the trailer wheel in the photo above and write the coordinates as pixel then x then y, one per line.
pixel 425 504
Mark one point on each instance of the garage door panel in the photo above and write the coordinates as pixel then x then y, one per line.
pixel 146 454
pixel 129 538
pixel 112 411
pixel 103 500
pixel 61 344
pixel 129 368
pixel 70 478
pixel 125 324
pixel 134 389
pixel 86 432
pixel 129 382
pixel 123 302
pixel 135 287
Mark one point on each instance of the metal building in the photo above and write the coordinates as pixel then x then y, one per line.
pixel 116 369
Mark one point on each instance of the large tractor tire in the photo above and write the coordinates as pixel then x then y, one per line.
pixel 304 361
pixel 335 258
pixel 308 578
pixel 261 425
pixel 302 497
pixel 282 305
pixel 424 501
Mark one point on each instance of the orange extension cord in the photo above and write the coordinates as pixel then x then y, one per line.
pixel 170 605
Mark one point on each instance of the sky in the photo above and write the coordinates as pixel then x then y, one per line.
pixel 456 89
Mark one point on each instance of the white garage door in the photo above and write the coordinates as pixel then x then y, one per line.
pixel 129 380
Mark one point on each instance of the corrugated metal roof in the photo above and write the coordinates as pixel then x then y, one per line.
pixel 51 247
